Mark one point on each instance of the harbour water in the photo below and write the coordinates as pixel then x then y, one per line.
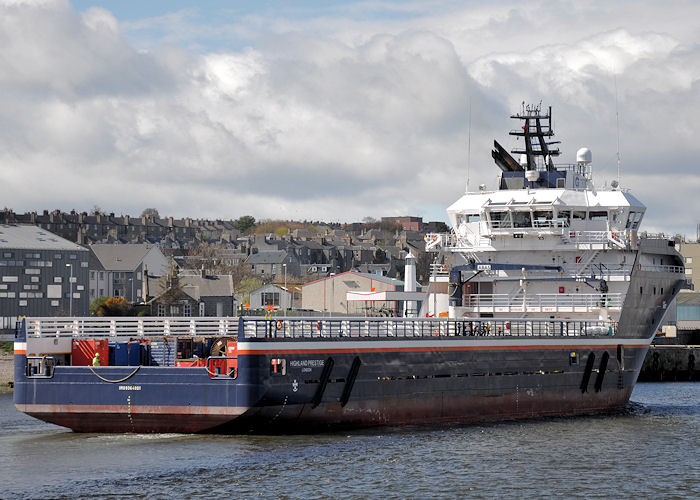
pixel 652 450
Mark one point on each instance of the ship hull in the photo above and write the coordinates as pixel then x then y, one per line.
pixel 348 384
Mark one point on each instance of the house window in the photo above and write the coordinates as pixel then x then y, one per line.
pixel 174 310
pixel 161 310
pixel 201 309
pixel 270 298
pixel 187 310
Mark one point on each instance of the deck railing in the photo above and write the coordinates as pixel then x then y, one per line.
pixel 319 327
pixel 347 328
pixel 546 302
pixel 130 327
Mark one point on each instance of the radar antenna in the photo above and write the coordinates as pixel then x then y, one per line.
pixel 536 130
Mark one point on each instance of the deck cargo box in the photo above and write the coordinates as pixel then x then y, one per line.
pixel 83 351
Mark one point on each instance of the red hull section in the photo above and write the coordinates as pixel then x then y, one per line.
pixel 137 419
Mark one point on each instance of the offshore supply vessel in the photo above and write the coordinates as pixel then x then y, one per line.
pixel 543 301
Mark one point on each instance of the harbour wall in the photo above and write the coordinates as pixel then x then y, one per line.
pixel 7 368
pixel 671 363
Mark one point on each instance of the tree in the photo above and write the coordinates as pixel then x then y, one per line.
pixel 171 288
pixel 379 256
pixel 246 286
pixel 153 212
pixel 244 223
pixel 441 227
pixel 111 306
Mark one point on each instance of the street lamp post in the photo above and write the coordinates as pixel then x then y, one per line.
pixel 70 280
pixel 284 266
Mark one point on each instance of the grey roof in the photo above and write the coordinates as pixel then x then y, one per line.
pixel 195 286
pixel 688 298
pixel 33 238
pixel 120 257
pixel 210 286
pixel 275 257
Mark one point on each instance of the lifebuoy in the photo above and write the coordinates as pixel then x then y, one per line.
pixel 278 324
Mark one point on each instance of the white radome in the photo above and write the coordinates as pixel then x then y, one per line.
pixel 584 156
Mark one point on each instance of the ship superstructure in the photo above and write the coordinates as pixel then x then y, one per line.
pixel 550 244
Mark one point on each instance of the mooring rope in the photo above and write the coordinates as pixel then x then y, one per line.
pixel 114 381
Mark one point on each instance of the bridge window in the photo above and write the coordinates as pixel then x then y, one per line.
pixel 598 215
pixel 578 215
pixel 543 218
pixel 563 218
pixel 522 219
pixel 473 218
pixel 633 220
pixel 501 219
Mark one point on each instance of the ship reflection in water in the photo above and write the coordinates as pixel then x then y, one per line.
pixel 650 450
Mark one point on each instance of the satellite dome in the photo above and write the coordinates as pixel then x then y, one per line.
pixel 584 156
pixel 532 175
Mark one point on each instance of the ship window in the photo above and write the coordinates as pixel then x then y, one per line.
pixel 578 215
pixel 637 219
pixel 563 218
pixel 500 219
pixel 573 358
pixel 598 215
pixel 522 219
pixel 543 218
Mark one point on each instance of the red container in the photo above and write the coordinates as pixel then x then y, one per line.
pixel 83 351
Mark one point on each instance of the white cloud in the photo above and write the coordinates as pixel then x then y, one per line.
pixel 338 115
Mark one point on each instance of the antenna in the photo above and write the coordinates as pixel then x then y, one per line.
pixel 469 142
pixel 617 124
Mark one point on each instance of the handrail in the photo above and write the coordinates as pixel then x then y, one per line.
pixel 663 269
pixel 132 327
pixel 306 328
pixel 321 327
pixel 544 301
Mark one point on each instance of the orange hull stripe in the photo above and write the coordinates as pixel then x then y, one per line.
pixel 422 349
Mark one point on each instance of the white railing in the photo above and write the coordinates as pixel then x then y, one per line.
pixel 319 327
pixel 663 269
pixel 130 327
pixel 359 328
pixel 554 302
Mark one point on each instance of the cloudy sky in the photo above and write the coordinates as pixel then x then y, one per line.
pixel 337 110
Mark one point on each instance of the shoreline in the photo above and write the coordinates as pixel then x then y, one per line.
pixel 7 368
